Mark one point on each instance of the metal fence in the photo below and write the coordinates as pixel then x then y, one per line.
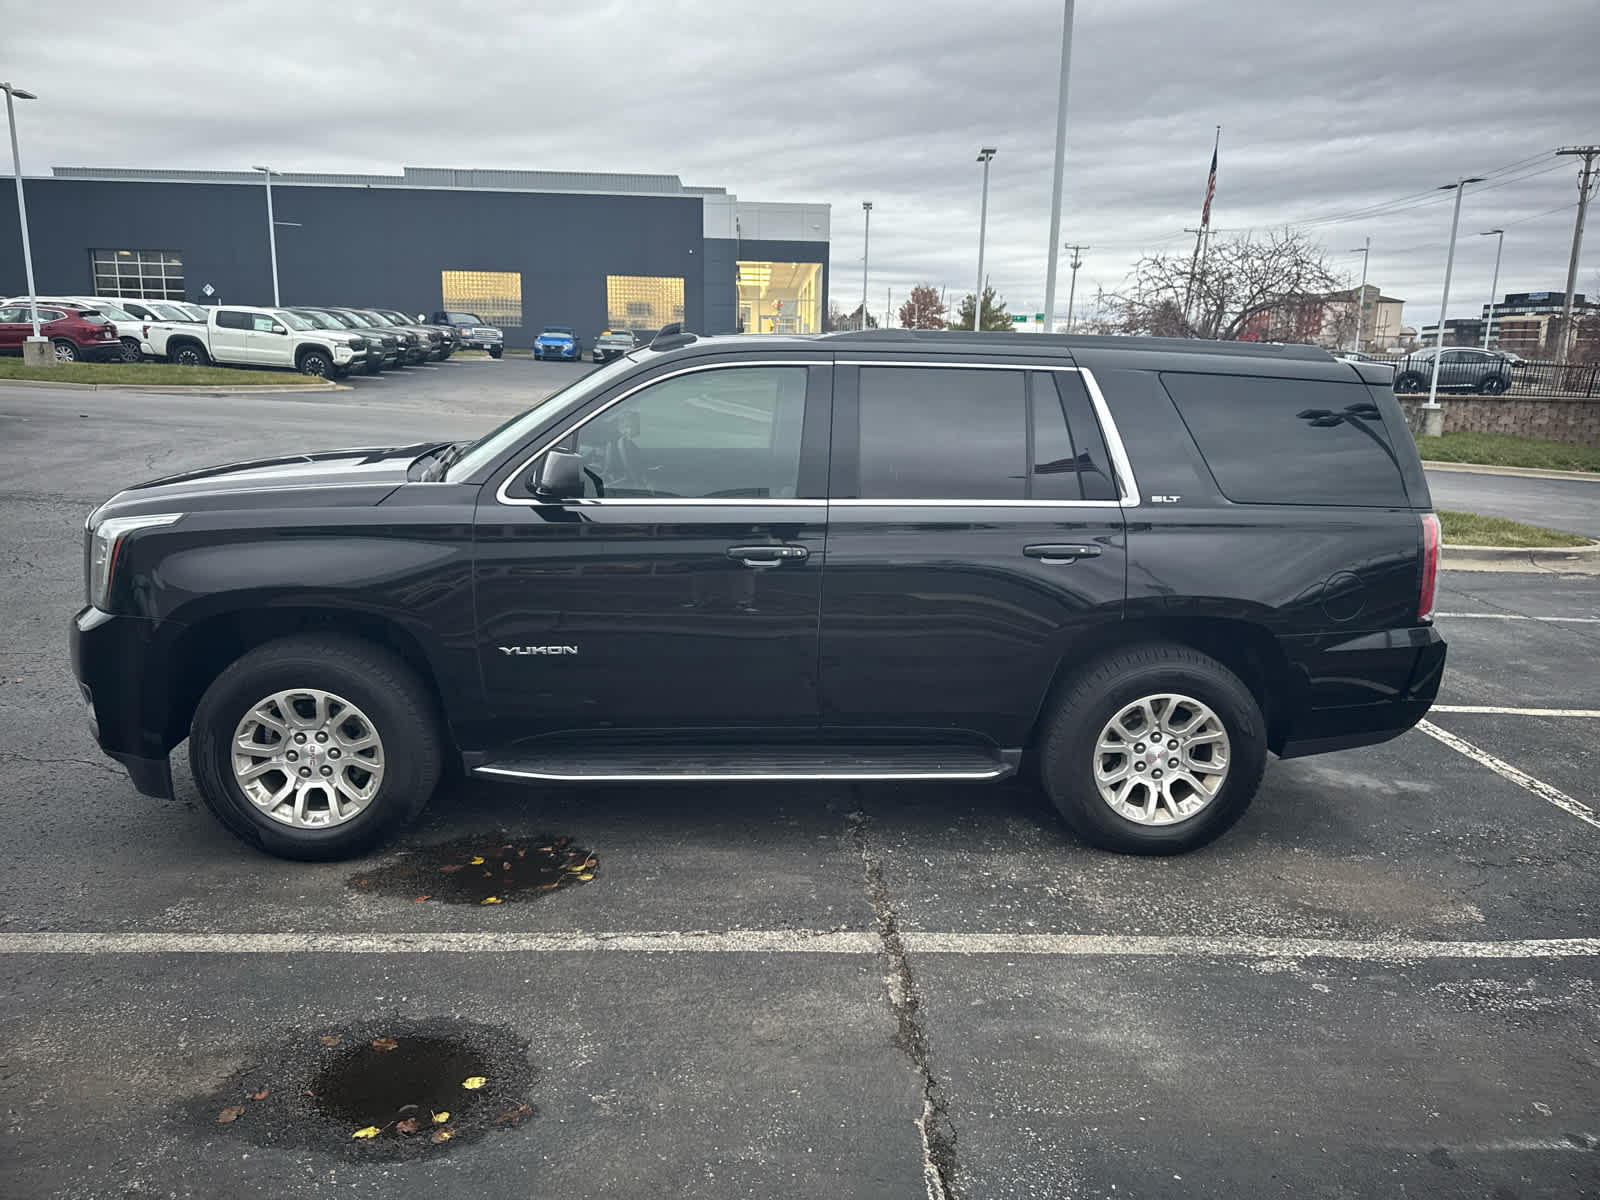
pixel 1492 375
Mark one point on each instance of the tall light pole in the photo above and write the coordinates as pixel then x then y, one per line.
pixel 985 156
pixel 15 93
pixel 272 230
pixel 1585 188
pixel 1432 414
pixel 1361 294
pixel 1072 288
pixel 866 243
pixel 1055 190
pixel 1495 286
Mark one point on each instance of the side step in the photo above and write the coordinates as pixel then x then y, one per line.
pixel 660 764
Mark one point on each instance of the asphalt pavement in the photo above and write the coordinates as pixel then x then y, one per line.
pixel 1382 982
pixel 1571 505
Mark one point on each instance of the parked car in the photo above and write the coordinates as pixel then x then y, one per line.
pixel 429 340
pixel 127 325
pixel 475 333
pixel 414 343
pixel 383 345
pixel 75 331
pixel 257 337
pixel 449 342
pixel 1461 369
pixel 557 341
pixel 613 343
pixel 1135 566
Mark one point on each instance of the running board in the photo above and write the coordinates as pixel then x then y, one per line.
pixel 736 764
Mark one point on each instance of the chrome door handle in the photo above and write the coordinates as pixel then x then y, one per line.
pixel 766 556
pixel 1061 553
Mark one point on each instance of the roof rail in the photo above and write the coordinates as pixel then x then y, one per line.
pixel 1067 342
pixel 671 336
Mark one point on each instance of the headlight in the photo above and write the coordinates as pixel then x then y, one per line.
pixel 105 540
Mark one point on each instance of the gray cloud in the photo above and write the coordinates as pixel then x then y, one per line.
pixel 1326 109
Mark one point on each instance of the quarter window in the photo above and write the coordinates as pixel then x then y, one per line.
pixel 732 433
pixel 141 274
pixel 942 433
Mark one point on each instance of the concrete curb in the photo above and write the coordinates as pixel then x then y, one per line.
pixel 1563 560
pixel 243 389
pixel 1521 472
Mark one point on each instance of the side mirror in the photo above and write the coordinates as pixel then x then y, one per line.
pixel 279 329
pixel 560 475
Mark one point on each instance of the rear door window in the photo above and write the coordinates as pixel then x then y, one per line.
pixel 942 433
pixel 1290 441
pixel 234 320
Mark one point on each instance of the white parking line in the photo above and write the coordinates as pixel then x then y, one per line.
pixel 799 941
pixel 1515 712
pixel 1506 771
pixel 1515 617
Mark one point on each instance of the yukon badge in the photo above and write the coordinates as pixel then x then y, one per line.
pixel 511 651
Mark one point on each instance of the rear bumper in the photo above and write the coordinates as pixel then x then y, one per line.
pixel 1360 691
pixel 117 663
pixel 101 352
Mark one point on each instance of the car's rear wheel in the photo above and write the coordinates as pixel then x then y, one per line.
pixel 1410 383
pixel 190 354
pixel 315 747
pixel 1154 749
pixel 1495 385
pixel 130 350
pixel 66 351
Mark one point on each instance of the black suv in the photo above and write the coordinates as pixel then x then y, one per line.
pixel 1130 566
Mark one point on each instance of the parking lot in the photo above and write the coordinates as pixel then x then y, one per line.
pixel 1382 982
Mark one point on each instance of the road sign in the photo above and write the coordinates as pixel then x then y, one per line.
pixel 209 290
pixel 1018 318
pixel 1038 316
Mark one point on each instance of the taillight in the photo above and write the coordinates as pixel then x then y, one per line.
pixel 1430 566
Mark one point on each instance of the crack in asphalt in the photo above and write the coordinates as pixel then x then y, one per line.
pixel 11 756
pixel 938 1132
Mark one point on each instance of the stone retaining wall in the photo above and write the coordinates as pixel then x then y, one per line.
pixel 1571 419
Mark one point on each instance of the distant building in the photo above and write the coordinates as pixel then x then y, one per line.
pixel 1331 320
pixel 1525 323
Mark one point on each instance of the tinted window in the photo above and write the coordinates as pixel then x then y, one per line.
pixel 942 433
pixel 1094 461
pixel 457 318
pixel 234 320
pixel 50 314
pixel 1290 441
pixel 732 433
pixel 10 316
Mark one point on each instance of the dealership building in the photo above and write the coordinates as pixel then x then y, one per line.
pixel 522 249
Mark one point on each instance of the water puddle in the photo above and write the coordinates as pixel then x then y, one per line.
pixel 485 869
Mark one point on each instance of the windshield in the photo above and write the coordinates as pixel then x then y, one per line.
pixel 483 452
pixel 171 312
pixel 557 331
pixel 456 318
pixel 115 313
pixel 396 318
pixel 371 317
pixel 292 321
pixel 344 319
pixel 320 320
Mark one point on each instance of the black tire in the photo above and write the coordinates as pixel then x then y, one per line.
pixel 66 351
pixel 377 683
pixel 1068 749
pixel 189 354
pixel 1410 383
pixel 496 351
pixel 130 350
pixel 374 365
pixel 1495 385
pixel 339 373
pixel 316 362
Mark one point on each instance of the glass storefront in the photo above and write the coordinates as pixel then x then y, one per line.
pixel 496 296
pixel 778 297
pixel 643 302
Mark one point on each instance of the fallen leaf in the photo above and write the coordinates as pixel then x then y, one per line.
pixel 409 1125
pixel 232 1113
pixel 384 1043
pixel 473 1082
pixel 371 1131
pixel 586 876
pixel 491 900
pixel 448 867
pixel 331 1039
pixel 261 1095
pixel 512 1116
pixel 522 854
pixel 545 887
pixel 441 1135
pixel 420 899
pixel 439 1118
pixel 505 866
pixel 477 860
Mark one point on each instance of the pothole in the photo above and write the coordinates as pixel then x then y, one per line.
pixel 485 869
pixel 391 1090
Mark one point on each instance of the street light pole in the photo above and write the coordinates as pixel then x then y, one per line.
pixel 866 243
pixel 1361 295
pixel 1432 414
pixel 1060 169
pixel 985 156
pixel 1072 288
pixel 15 93
pixel 1494 287
pixel 272 230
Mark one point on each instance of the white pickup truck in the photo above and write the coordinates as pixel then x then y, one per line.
pixel 256 337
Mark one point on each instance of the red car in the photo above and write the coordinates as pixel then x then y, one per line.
pixel 77 332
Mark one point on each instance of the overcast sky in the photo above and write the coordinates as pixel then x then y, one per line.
pixel 1325 108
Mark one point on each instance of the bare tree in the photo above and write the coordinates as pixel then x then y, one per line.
pixel 1243 287
pixel 924 310
pixel 837 318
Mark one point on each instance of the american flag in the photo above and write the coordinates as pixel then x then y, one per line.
pixel 1211 189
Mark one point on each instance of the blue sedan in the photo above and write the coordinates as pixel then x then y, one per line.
pixel 557 341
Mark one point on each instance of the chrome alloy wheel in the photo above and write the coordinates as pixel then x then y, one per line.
pixel 307 758
pixel 1161 759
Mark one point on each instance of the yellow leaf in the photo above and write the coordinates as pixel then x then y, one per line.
pixel 371 1131
pixel 477 859
pixel 439 1118
pixel 491 900
pixel 586 876
pixel 441 1135
pixel 473 1082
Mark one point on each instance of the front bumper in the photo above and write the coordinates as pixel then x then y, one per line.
pixel 120 665
pixel 569 351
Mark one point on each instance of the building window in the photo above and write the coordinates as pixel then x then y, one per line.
pixel 496 296
pixel 780 297
pixel 643 301
pixel 138 274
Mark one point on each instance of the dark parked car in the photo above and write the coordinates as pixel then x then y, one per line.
pixel 557 341
pixel 1461 369
pixel 383 345
pixel 449 342
pixel 75 331
pixel 475 333
pixel 1134 565
pixel 614 343
pixel 427 342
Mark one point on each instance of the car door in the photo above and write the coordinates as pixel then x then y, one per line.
pixel 974 530
pixel 268 341
pixel 14 327
pixel 230 336
pixel 682 590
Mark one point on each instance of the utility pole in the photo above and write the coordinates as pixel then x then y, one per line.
pixel 1585 189
pixel 1072 288
pixel 866 243
pixel 1061 162
pixel 888 310
pixel 1500 245
pixel 1361 295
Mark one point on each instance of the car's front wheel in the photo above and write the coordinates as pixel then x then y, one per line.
pixel 1495 385
pixel 316 362
pixel 496 351
pixel 315 747
pixel 1154 749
